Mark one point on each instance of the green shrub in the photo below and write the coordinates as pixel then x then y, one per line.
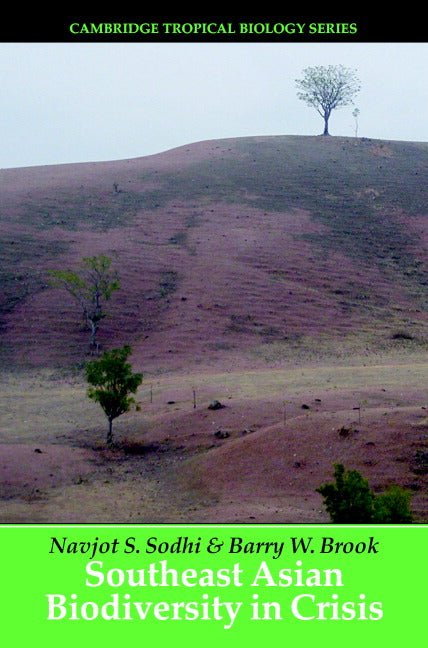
pixel 393 506
pixel 350 500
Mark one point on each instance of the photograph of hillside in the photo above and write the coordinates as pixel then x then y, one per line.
pixel 272 291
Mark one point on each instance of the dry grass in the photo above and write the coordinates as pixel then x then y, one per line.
pixel 170 466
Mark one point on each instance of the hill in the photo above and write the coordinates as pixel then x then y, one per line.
pixel 284 276
pixel 265 245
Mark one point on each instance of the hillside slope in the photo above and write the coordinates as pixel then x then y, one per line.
pixel 249 249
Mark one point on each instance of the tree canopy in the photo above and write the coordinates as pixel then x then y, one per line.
pixel 91 285
pixel 326 88
pixel 112 383
pixel 348 499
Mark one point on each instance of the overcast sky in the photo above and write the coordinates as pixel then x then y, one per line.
pixel 75 102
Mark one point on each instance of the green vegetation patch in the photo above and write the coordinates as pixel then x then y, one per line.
pixel 95 209
pixel 168 283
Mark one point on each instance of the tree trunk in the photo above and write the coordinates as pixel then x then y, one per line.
pixel 110 433
pixel 93 344
pixel 326 117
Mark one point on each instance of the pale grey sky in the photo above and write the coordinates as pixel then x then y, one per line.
pixel 75 102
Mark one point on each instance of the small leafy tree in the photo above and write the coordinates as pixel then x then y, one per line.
pixel 112 383
pixel 327 88
pixel 91 285
pixel 355 115
pixel 350 500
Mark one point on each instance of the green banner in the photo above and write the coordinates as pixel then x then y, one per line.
pixel 191 585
